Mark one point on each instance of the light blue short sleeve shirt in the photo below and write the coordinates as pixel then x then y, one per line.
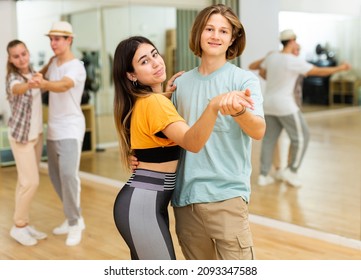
pixel 222 169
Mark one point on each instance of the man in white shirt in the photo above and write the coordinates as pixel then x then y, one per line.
pixel 282 70
pixel 65 78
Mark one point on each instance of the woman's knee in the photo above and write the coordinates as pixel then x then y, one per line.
pixel 28 185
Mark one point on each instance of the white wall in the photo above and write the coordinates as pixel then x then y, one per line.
pixel 338 7
pixel 8 31
pixel 34 21
pixel 122 22
pixel 260 20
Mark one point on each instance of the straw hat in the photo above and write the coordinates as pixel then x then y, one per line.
pixel 61 28
pixel 287 34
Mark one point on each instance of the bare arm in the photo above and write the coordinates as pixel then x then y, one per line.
pixel 254 126
pixel 263 73
pixel 22 88
pixel 58 86
pixel 256 65
pixel 19 89
pixel 194 138
pixel 327 71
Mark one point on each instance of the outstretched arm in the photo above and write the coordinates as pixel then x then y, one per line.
pixel 58 86
pixel 327 71
pixel 22 88
pixel 194 138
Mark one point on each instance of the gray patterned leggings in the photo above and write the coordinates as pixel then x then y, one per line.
pixel 141 215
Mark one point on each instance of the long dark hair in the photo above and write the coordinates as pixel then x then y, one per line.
pixel 126 92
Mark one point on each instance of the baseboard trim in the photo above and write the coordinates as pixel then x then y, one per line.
pixel 308 232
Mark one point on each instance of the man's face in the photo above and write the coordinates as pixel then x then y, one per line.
pixel 216 36
pixel 296 49
pixel 293 45
pixel 60 44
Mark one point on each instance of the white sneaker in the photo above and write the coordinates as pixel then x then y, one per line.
pixel 74 235
pixel 35 233
pixel 291 178
pixel 22 236
pixel 265 180
pixel 279 175
pixel 64 227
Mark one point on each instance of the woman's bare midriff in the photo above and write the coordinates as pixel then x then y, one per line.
pixel 167 167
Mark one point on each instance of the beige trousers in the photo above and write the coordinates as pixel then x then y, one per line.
pixel 215 231
pixel 27 158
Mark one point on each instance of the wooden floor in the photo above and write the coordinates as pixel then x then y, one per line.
pixel 329 202
pixel 330 198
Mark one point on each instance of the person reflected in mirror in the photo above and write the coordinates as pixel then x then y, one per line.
pixel 64 79
pixel 282 69
pixel 281 157
pixel 25 136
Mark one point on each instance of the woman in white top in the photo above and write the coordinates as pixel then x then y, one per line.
pixel 25 136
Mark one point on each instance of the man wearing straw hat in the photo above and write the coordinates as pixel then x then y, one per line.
pixel 65 78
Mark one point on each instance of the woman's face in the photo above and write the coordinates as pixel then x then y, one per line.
pixel 19 57
pixel 149 67
pixel 216 36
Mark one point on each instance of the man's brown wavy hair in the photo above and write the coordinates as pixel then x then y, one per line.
pixel 238 33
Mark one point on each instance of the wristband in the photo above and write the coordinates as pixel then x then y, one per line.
pixel 240 112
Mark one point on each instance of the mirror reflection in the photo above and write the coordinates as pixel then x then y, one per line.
pixel 330 200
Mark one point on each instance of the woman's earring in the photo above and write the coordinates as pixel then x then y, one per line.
pixel 135 84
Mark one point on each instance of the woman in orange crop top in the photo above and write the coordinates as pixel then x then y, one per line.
pixel 149 127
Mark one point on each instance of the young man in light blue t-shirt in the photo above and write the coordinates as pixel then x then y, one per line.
pixel 213 186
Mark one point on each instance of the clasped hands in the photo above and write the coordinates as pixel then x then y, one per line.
pixel 233 102
pixel 36 81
